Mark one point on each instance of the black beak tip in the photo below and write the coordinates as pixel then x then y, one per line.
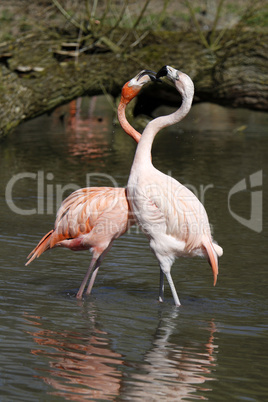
pixel 154 78
pixel 162 72
pixel 151 74
pixel 147 72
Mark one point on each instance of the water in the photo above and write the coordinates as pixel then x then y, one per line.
pixel 120 343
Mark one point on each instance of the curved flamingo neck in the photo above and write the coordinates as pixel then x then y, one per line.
pixel 121 113
pixel 144 148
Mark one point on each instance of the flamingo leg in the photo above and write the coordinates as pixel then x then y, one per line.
pixel 97 266
pixel 161 286
pixel 83 284
pixel 173 289
pixel 92 279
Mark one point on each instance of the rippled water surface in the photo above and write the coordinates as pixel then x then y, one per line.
pixel 120 343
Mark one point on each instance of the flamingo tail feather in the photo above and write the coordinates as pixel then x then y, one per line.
pixel 212 258
pixel 41 247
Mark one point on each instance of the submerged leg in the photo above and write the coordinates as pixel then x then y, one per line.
pixel 92 280
pixel 161 286
pixel 97 266
pixel 83 284
pixel 173 290
pixel 165 262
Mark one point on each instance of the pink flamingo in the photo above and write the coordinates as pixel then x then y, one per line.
pixel 92 218
pixel 169 214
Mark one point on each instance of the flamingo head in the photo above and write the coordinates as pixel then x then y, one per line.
pixel 182 81
pixel 133 87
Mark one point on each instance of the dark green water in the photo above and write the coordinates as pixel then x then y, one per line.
pixel 120 343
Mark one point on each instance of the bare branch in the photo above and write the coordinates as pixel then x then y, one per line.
pixel 141 14
pixel 68 16
pixel 216 20
pixel 197 26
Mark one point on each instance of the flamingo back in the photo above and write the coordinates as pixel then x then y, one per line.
pixel 87 207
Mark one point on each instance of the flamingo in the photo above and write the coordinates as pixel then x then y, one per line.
pixel 169 214
pixel 92 218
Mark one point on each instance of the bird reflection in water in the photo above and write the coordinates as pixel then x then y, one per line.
pixel 87 125
pixel 172 372
pixel 81 367
pixel 85 368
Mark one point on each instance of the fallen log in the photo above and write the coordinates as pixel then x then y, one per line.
pixel 33 81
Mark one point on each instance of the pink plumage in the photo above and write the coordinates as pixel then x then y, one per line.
pixel 92 218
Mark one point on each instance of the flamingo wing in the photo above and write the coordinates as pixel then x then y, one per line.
pixel 80 213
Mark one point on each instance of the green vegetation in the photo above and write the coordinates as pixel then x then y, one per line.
pixel 47 47
pixel 92 20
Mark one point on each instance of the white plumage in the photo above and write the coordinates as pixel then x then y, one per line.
pixel 170 215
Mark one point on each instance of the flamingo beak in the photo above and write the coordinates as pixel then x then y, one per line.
pixel 162 72
pixel 151 74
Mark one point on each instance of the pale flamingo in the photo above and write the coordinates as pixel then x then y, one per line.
pixel 92 218
pixel 169 214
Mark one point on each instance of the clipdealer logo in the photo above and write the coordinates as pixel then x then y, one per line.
pixel 50 195
pixel 256 196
